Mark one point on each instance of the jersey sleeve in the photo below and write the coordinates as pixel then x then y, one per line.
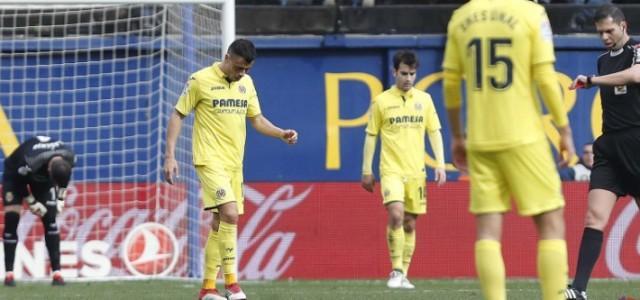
pixel 375 118
pixel 253 107
pixel 189 97
pixel 451 59
pixel 431 116
pixel 541 38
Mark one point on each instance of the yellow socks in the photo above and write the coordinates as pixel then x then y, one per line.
pixel 211 261
pixel 227 243
pixel 395 241
pixel 552 268
pixel 490 269
pixel 409 246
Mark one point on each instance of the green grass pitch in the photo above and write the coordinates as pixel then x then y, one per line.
pixel 303 290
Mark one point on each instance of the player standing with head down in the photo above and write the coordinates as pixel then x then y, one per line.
pixel 401 116
pixel 616 167
pixel 502 48
pixel 38 171
pixel 223 97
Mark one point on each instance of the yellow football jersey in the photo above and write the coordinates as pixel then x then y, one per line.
pixel 402 119
pixel 494 44
pixel 221 109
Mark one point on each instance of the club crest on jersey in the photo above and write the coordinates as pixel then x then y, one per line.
pixel 220 193
pixel 418 106
pixel 386 193
pixel 242 89
pixel 8 197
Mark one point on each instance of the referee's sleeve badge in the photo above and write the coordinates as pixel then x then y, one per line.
pixel 636 54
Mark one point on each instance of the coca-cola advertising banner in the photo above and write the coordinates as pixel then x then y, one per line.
pixel 300 230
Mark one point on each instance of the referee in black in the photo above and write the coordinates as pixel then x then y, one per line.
pixel 38 172
pixel 616 169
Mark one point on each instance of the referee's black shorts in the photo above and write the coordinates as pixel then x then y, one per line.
pixel 616 166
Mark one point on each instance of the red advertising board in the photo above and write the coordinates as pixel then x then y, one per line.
pixel 304 230
pixel 337 230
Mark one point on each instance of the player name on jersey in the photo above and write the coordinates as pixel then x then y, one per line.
pixel 489 15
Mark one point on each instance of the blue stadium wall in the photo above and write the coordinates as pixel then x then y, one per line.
pixel 294 85
pixel 318 85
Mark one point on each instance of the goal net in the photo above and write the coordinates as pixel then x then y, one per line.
pixel 104 78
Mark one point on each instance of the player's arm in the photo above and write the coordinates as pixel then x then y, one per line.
pixel 36 207
pixel 173 131
pixel 264 126
pixel 627 76
pixel 452 82
pixel 453 67
pixel 432 127
pixel 435 139
pixel 186 103
pixel 368 180
pixel 545 77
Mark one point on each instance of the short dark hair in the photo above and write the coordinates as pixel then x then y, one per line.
pixel 406 57
pixel 609 10
pixel 243 48
pixel 60 172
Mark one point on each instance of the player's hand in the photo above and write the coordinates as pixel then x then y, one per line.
pixel 567 148
pixel 289 136
pixel 459 150
pixel 36 207
pixel 441 176
pixel 60 195
pixel 580 82
pixel 60 206
pixel 368 182
pixel 170 169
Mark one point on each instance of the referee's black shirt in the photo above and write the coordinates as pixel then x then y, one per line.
pixel 620 104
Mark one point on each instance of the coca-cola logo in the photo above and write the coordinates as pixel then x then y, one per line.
pixel 150 249
pixel 270 256
pixel 623 261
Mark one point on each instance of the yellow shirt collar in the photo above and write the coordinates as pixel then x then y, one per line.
pixel 218 71
pixel 396 91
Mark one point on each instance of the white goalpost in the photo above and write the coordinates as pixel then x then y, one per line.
pixel 103 76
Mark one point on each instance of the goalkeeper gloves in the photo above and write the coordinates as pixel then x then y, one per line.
pixel 36 207
pixel 62 193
